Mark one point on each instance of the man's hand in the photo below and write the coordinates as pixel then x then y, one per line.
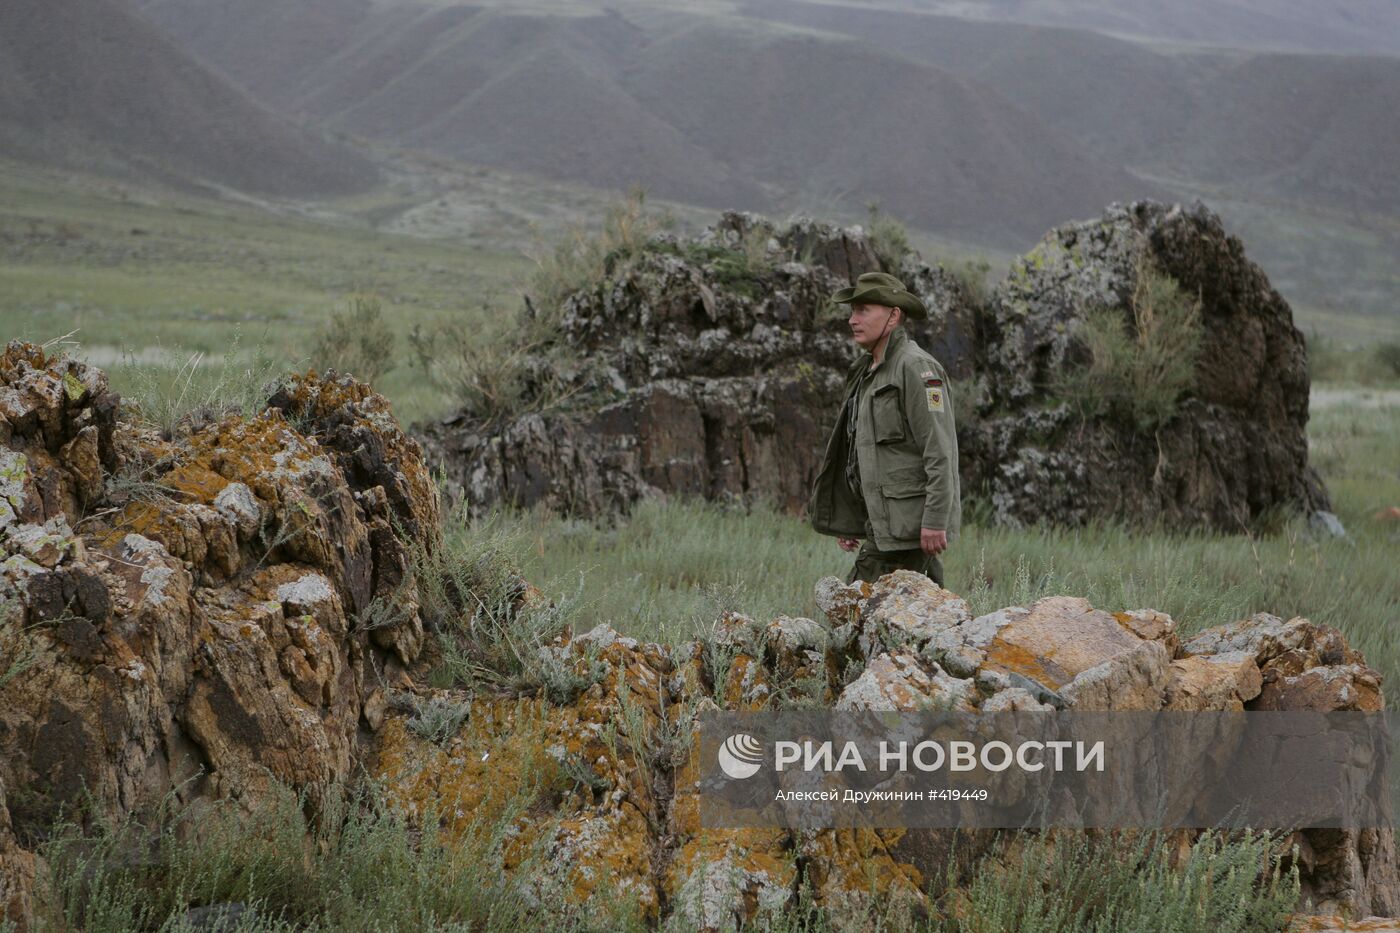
pixel 848 544
pixel 933 540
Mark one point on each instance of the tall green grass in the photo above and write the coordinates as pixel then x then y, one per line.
pixel 1073 881
pixel 666 571
pixel 356 865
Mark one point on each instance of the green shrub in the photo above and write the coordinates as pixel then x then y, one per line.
pixel 972 276
pixel 1388 356
pixel 483 377
pixel 1330 361
pixel 1072 881
pixel 740 270
pixel 356 340
pixel 18 652
pixel 437 719
pixel 490 635
pixel 584 258
pixel 1138 369
pixel 888 238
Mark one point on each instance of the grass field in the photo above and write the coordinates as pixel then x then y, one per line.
pixel 666 572
pixel 149 280
pixel 165 276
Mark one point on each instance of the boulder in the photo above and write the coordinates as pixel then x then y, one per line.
pixel 1213 682
pixel 1235 445
pixel 180 610
pixel 904 682
pixel 714 367
pixel 705 372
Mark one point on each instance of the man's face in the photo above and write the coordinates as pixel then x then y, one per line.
pixel 870 322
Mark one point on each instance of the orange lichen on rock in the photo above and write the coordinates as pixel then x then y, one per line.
pixel 578 817
pixel 497 761
pixel 1060 638
pixel 1013 658
pixel 849 867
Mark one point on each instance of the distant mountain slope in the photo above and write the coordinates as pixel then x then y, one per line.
pixel 268 47
pixel 1304 128
pixel 719 111
pixel 842 117
pixel 87 83
pixel 1319 129
pixel 1345 26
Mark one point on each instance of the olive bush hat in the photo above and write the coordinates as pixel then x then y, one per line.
pixel 881 288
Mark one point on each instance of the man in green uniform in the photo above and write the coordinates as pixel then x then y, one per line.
pixel 890 474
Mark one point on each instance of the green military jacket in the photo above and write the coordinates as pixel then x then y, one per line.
pixel 907 449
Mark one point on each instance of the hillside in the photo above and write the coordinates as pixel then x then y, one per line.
pixel 86 83
pixel 1342 26
pixel 717 110
pixel 1005 127
pixel 1303 128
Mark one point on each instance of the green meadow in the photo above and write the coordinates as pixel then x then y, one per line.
pixel 668 570
pixel 179 295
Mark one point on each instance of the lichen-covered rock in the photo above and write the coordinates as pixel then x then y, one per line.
pixel 1302 665
pixel 1263 635
pixel 1223 681
pixel 1235 446
pixel 1052 643
pixel 179 615
pixel 708 373
pixel 841 601
pixel 354 424
pixel 723 878
pixel 714 368
pixel 904 682
pixel 857 874
pixel 56 425
pixel 908 611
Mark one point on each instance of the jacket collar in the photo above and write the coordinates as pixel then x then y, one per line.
pixel 896 343
pixel 861 366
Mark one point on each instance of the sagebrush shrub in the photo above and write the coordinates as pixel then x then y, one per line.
pixel 888 238
pixel 1139 365
pixel 356 340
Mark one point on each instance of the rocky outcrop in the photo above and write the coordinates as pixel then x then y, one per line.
pixel 182 614
pixel 711 368
pixel 714 368
pixel 234 607
pixel 901 644
pixel 1235 446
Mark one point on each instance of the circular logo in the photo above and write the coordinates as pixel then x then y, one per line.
pixel 740 756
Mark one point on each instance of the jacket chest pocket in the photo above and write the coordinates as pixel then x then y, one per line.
pixel 886 416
